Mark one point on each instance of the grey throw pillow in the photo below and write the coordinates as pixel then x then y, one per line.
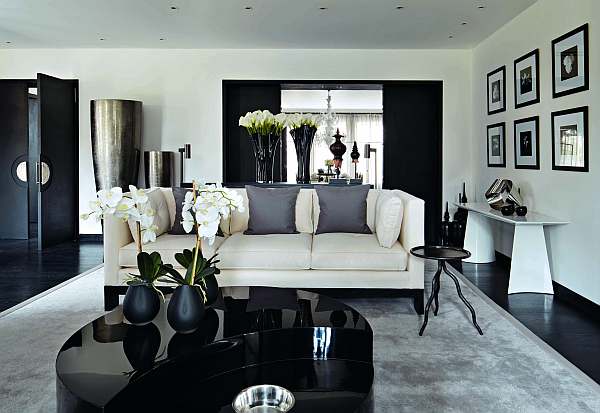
pixel 343 209
pixel 271 210
pixel 179 195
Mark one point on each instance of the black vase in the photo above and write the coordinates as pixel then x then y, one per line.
pixel 186 309
pixel 141 304
pixel 303 139
pixel 211 290
pixel 265 147
pixel 338 149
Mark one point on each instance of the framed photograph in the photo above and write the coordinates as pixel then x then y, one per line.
pixel 527 79
pixel 570 151
pixel 496 91
pixel 570 62
pixel 496 145
pixel 527 143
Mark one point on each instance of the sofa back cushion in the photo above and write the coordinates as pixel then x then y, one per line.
pixel 238 221
pixel 342 209
pixel 371 204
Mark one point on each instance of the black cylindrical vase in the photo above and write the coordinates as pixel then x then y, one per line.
pixel 186 309
pixel 265 147
pixel 141 304
pixel 303 138
pixel 211 290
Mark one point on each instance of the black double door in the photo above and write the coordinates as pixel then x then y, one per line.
pixel 40 135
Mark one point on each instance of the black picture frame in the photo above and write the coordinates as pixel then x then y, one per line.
pixel 535 119
pixel 586 149
pixel 586 61
pixel 487 140
pixel 516 79
pixel 503 99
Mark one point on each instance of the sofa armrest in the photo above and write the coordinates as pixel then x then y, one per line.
pixel 116 235
pixel 412 233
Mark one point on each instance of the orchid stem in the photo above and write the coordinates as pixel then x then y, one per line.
pixel 139 236
pixel 198 244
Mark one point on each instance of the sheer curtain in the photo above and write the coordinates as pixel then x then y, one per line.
pixel 359 128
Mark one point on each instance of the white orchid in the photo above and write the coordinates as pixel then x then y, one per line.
pixel 133 206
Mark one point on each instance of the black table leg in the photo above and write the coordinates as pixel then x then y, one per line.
pixel 462 297
pixel 434 283
pixel 437 290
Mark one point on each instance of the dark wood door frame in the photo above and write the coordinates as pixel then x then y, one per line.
pixel 435 210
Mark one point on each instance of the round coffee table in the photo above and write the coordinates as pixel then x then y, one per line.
pixel 442 254
pixel 316 347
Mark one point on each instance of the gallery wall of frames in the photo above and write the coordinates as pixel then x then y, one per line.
pixel 569 126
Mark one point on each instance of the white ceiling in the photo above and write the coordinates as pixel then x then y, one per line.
pixel 349 24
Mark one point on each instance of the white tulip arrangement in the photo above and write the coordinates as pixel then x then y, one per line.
pixel 297 120
pixel 263 122
pixel 133 206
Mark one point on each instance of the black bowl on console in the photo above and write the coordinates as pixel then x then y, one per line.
pixel 521 210
pixel 508 209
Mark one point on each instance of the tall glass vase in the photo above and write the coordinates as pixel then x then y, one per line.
pixel 265 147
pixel 303 138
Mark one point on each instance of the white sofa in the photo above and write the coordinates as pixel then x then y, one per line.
pixel 303 260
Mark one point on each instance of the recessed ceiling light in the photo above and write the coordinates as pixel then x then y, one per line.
pixel 463 24
pixel 481 6
pixel 102 39
pixel 8 42
pixel 399 7
pixel 161 39
pixel 174 7
pixel 248 8
pixel 450 37
pixel 323 8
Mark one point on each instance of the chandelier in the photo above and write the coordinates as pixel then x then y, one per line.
pixel 328 124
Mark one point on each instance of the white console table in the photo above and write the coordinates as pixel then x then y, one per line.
pixel 530 268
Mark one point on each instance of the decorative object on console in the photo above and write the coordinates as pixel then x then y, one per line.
pixel 141 302
pixel 328 121
pixel 521 210
pixel 158 169
pixel 303 129
pixel 501 192
pixel 185 152
pixel 507 209
pixel 116 132
pixel 203 209
pixel 271 210
pixel 463 198
pixel 570 62
pixel 355 155
pixel 527 79
pixel 570 151
pixel 527 144
pixel 445 228
pixel 342 209
pixel 265 130
pixel 496 145
pixel 338 149
pixel 496 91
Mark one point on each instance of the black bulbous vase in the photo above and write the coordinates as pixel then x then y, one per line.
pixel 141 304
pixel 303 137
pixel 186 309
pixel 211 290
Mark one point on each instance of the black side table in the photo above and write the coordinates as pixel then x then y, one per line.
pixel 441 255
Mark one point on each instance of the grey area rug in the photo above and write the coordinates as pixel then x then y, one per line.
pixel 450 369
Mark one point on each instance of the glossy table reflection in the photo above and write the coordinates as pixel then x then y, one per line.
pixel 317 347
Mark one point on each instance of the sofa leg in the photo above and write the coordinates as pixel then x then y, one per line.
pixel 418 301
pixel 111 297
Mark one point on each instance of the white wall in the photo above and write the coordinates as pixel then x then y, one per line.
pixel 181 91
pixel 574 248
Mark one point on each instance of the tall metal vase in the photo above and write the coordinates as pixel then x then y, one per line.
pixel 265 147
pixel 303 138
pixel 116 142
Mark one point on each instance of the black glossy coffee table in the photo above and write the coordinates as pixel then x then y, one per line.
pixel 318 348
pixel 442 254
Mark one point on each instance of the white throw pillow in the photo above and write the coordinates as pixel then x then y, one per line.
pixel 162 217
pixel 388 218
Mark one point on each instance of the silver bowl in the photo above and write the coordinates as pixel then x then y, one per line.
pixel 264 398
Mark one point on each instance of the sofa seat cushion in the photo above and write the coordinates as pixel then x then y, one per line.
pixel 341 251
pixel 272 251
pixel 167 245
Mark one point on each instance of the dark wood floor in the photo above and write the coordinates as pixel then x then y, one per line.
pixel 572 332
pixel 26 272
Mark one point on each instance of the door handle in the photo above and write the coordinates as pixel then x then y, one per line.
pixel 38 173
